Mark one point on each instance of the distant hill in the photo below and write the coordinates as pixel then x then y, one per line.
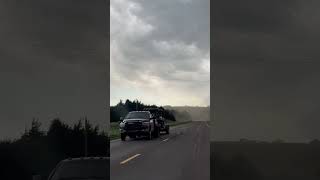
pixel 197 113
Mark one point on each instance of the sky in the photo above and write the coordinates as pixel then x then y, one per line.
pixel 52 62
pixel 160 51
pixel 266 70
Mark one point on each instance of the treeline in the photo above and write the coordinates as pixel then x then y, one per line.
pixel 38 152
pixel 122 109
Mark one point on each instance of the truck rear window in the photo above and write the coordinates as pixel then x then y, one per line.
pixel 138 115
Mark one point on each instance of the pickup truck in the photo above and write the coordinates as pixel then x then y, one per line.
pixel 139 123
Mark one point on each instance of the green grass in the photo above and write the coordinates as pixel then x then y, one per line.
pixel 114 131
pixel 114 128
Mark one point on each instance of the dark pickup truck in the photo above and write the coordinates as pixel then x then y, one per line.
pixel 139 123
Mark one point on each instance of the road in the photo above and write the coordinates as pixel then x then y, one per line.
pixel 181 155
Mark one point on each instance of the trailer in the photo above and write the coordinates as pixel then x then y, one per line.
pixel 161 122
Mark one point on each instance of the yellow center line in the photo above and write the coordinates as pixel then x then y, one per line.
pixel 165 140
pixel 129 159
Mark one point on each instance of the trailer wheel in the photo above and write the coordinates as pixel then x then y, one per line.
pixel 123 136
pixel 156 133
pixel 149 137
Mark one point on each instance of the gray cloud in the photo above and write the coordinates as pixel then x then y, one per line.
pixel 190 19
pixel 265 31
pixel 167 41
pixel 53 57
pixel 266 70
pixel 254 16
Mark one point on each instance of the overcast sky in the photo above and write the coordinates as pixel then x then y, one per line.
pixel 266 69
pixel 52 59
pixel 159 51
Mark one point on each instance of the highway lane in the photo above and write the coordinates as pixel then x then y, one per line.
pixel 181 155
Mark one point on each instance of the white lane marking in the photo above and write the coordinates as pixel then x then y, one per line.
pixel 129 159
pixel 165 140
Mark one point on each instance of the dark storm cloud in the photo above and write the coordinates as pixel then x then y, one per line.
pixel 253 16
pixel 63 28
pixel 53 59
pixel 190 19
pixel 270 31
pixel 266 67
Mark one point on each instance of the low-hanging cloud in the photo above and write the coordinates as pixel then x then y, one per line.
pixel 53 59
pixel 153 52
pixel 266 66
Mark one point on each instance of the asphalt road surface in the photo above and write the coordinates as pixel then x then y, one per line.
pixel 181 155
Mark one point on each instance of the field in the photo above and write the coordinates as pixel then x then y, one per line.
pixel 265 161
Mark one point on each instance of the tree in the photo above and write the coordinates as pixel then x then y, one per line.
pixel 78 126
pixel 37 152
pixel 58 128
pixel 35 131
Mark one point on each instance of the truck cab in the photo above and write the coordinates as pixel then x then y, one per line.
pixel 137 124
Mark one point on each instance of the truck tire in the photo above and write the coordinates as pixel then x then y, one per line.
pixel 156 133
pixel 167 131
pixel 123 136
pixel 149 136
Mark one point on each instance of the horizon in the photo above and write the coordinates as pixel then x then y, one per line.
pixel 160 105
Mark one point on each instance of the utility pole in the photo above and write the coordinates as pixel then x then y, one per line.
pixel 25 128
pixel 85 137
